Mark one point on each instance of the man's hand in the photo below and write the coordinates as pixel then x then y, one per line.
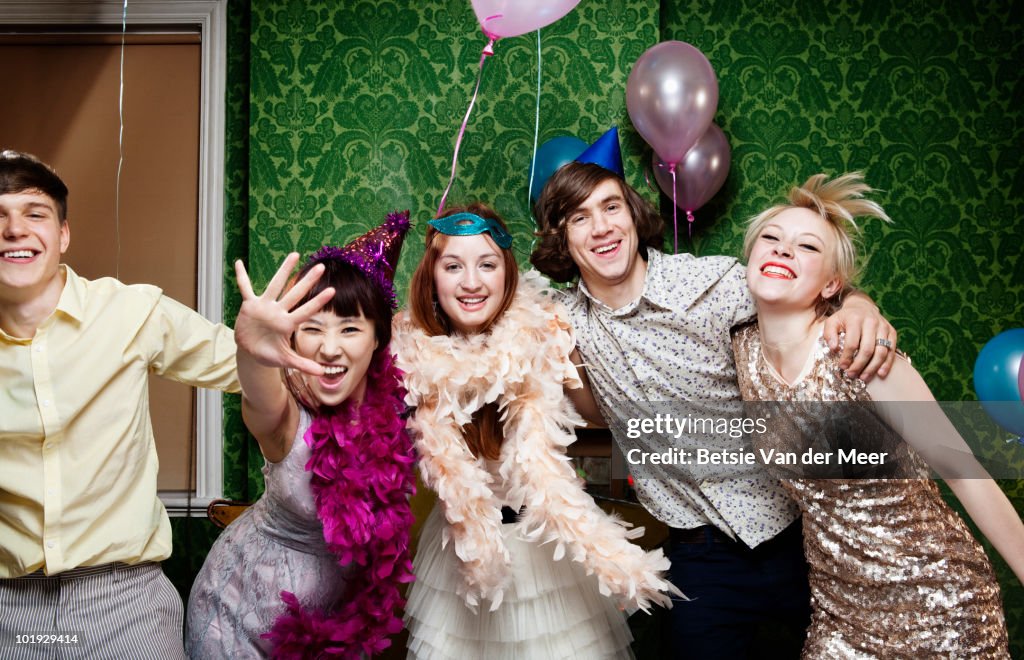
pixel 870 344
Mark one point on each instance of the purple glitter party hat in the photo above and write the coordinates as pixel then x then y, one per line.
pixel 375 253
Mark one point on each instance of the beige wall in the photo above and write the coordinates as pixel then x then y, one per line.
pixel 61 104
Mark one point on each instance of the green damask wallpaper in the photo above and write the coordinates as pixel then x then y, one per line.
pixel 340 111
pixel 355 106
pixel 238 447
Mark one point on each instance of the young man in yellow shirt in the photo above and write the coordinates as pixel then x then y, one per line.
pixel 82 531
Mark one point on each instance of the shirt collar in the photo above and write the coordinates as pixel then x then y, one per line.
pixel 651 292
pixel 71 303
pixel 655 290
pixel 72 298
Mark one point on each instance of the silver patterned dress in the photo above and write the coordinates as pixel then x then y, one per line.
pixel 276 545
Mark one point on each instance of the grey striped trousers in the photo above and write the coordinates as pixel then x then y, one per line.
pixel 116 610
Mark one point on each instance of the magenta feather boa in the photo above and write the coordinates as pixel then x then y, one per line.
pixel 362 479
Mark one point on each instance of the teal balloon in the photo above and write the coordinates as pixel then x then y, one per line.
pixel 996 379
pixel 550 156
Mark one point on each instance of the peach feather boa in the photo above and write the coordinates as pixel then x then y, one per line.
pixel 522 363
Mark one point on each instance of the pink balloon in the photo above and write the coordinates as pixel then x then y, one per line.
pixel 1020 380
pixel 671 96
pixel 700 174
pixel 510 18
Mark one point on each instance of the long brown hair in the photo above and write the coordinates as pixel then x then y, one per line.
pixel 483 434
pixel 564 192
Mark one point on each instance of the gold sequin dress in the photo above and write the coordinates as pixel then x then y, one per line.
pixel 894 572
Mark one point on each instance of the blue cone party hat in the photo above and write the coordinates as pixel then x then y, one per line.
pixel 605 152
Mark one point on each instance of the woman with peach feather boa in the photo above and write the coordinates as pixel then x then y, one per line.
pixel 516 560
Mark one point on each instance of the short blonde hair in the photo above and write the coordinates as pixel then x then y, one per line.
pixel 838 202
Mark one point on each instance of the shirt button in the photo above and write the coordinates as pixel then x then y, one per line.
pixel 39 349
pixel 48 446
pixel 46 403
pixel 50 544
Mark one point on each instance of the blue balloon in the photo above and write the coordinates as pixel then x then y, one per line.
pixel 550 156
pixel 995 379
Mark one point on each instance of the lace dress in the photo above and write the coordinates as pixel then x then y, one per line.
pixel 276 545
pixel 894 572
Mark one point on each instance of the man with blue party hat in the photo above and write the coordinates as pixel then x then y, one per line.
pixel 654 332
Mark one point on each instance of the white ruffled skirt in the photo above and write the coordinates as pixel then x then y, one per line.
pixel 552 609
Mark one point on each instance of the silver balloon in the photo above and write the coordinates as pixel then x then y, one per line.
pixel 700 174
pixel 671 96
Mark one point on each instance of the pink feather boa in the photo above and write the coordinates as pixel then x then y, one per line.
pixel 521 363
pixel 362 479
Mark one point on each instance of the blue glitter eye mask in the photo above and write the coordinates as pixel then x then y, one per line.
pixel 470 224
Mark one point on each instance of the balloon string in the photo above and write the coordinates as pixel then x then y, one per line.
pixel 487 51
pixel 536 128
pixel 675 211
pixel 120 146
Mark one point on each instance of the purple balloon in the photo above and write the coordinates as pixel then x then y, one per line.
pixel 700 174
pixel 671 96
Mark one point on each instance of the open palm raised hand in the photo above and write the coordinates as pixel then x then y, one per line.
pixel 266 323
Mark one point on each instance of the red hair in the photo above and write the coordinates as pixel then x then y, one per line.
pixel 483 435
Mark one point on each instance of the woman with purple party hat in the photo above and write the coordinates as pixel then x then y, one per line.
pixel 314 567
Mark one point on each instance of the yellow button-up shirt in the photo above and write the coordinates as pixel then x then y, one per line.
pixel 78 462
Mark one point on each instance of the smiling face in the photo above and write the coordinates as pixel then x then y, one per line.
pixel 602 241
pixel 469 276
pixel 791 262
pixel 32 240
pixel 344 347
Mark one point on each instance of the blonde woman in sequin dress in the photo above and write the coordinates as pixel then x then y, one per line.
pixel 894 572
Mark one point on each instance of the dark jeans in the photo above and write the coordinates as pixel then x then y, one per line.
pixel 744 603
